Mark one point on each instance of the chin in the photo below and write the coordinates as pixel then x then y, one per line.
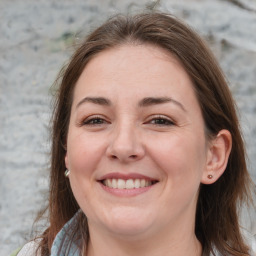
pixel 128 230
pixel 128 222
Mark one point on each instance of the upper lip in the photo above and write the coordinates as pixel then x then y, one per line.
pixel 126 176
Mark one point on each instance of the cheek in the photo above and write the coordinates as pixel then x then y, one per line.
pixel 84 154
pixel 181 163
pixel 180 157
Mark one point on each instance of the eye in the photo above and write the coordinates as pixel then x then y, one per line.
pixel 94 120
pixel 161 121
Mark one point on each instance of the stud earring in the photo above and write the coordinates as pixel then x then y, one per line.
pixel 209 176
pixel 67 172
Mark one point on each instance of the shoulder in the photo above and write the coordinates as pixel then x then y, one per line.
pixel 250 240
pixel 28 249
pixel 68 240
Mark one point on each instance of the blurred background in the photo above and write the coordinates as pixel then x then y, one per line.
pixel 36 41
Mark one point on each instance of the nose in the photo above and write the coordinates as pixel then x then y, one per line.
pixel 125 144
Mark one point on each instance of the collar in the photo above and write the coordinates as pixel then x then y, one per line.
pixel 63 243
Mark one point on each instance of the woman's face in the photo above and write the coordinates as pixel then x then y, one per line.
pixel 136 146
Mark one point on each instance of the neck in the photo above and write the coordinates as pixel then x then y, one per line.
pixel 173 244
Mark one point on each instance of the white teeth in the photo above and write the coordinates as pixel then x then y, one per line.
pixel 127 184
pixel 114 183
pixel 120 184
pixel 108 183
pixel 137 183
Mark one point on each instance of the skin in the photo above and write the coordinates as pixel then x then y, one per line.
pixel 163 140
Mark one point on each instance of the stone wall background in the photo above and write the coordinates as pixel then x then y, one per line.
pixel 36 38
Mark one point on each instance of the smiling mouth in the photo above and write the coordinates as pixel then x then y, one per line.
pixel 128 184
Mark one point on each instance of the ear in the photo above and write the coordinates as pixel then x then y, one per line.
pixel 217 157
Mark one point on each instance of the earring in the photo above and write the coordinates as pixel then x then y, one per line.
pixel 67 172
pixel 209 176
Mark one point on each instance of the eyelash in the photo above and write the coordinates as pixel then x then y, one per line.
pixel 163 121
pixel 95 120
pixel 156 120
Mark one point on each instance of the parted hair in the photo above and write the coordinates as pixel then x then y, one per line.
pixel 217 213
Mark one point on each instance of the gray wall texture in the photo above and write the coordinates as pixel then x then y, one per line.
pixel 36 39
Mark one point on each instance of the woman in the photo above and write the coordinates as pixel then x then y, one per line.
pixel 146 132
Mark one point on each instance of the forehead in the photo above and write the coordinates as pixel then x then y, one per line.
pixel 134 68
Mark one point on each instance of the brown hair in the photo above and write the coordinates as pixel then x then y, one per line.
pixel 218 204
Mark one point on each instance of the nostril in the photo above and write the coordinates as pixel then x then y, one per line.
pixel 131 156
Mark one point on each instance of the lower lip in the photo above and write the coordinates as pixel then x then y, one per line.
pixel 126 192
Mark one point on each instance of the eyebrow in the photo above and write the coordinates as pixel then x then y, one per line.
pixel 159 100
pixel 149 101
pixel 96 100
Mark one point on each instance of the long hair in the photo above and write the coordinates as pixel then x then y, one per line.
pixel 217 214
